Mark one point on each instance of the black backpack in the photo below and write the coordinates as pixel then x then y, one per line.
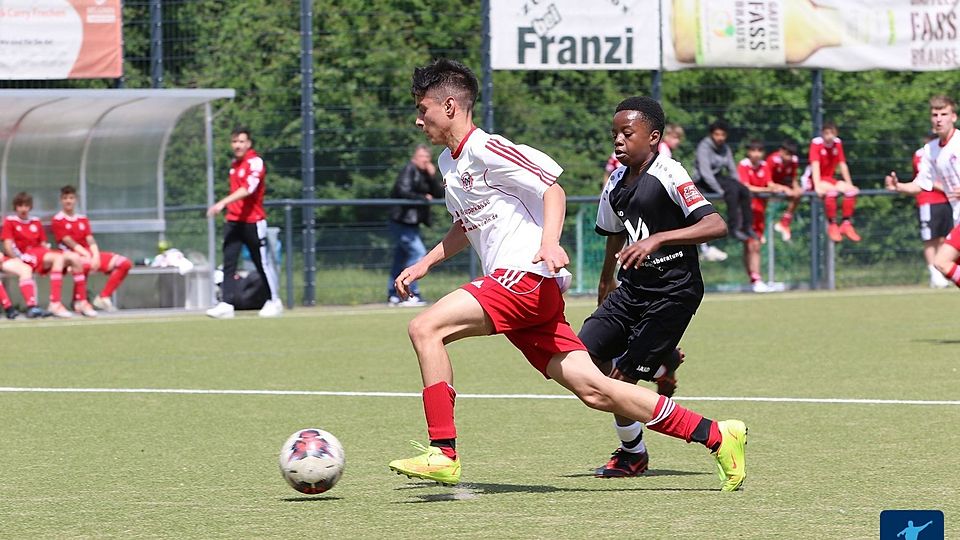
pixel 250 292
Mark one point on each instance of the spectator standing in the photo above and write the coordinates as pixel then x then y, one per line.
pixel 246 226
pixel 417 181
pixel 755 175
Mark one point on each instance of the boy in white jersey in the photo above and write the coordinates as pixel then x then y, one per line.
pixel 940 164
pixel 506 203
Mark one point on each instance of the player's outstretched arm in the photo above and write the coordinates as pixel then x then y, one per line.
pixel 452 243
pixel 892 183
pixel 554 210
pixel 608 278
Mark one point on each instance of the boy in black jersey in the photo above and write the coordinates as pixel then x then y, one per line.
pixel 653 217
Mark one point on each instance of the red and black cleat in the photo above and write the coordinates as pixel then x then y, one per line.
pixel 623 464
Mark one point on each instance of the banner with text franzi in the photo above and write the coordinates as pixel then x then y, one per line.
pixel 60 39
pixel 845 35
pixel 574 34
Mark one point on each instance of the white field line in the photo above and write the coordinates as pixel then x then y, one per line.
pixel 201 391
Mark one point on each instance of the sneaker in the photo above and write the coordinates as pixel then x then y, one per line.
pixel 761 287
pixel 833 232
pixel 34 312
pixel 103 304
pixel 432 464
pixel 84 308
pixel 784 231
pixel 731 462
pixel 847 230
pixel 713 254
pixel 222 310
pixel 740 235
pixel 394 301
pixel 272 308
pixel 57 309
pixel 667 383
pixel 624 464
pixel 414 301
pixel 12 313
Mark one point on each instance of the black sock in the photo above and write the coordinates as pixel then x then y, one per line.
pixel 702 433
pixel 444 443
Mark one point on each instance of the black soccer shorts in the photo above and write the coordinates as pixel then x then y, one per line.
pixel 638 334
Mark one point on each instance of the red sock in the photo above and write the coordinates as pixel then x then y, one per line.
pixel 754 277
pixel 79 287
pixel 830 207
pixel 56 285
pixel 954 274
pixel 29 291
pixel 786 219
pixel 4 297
pixel 673 420
pixel 438 400
pixel 117 275
pixel 849 203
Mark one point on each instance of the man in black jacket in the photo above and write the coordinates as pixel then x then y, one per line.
pixel 418 180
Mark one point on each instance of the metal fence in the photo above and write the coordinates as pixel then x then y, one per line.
pixel 355 92
pixel 354 256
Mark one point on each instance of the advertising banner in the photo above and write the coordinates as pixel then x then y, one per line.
pixel 844 35
pixel 60 39
pixel 573 34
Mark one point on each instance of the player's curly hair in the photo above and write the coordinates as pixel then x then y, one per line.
pixel 651 113
pixel 450 76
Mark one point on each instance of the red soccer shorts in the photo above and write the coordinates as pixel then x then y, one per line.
pixel 759 221
pixel 34 258
pixel 106 258
pixel 953 239
pixel 528 309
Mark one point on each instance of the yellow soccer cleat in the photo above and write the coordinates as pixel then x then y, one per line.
pixel 731 462
pixel 432 464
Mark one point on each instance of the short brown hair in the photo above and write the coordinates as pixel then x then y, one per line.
pixel 68 190
pixel 941 101
pixel 22 199
pixel 831 126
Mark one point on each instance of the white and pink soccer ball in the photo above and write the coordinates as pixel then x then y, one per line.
pixel 311 461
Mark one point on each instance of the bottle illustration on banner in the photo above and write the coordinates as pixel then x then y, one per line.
pixel 772 32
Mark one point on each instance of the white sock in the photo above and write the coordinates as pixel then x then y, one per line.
pixel 629 433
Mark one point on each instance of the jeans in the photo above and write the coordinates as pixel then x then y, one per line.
pixel 408 249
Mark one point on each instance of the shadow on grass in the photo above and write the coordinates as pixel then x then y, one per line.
pixel 650 472
pixel 938 341
pixel 468 491
pixel 312 499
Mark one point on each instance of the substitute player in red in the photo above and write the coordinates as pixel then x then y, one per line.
pixel 72 232
pixel 940 165
pixel 24 237
pixel 505 202
pixel 783 164
pixel 826 157
pixel 246 226
pixel 754 172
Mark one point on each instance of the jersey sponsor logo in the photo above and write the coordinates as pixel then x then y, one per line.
pixel 466 181
pixel 638 233
pixel 691 195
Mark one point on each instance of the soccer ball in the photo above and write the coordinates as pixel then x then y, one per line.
pixel 311 461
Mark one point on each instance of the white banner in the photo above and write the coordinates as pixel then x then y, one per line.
pixel 60 39
pixel 845 35
pixel 574 34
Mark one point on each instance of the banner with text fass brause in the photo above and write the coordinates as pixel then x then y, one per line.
pixel 574 34
pixel 845 35
pixel 60 39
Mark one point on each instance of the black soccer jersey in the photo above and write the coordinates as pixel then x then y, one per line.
pixel 662 199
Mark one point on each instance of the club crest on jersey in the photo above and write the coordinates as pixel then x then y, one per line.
pixel 466 181
pixel 691 195
pixel 33 228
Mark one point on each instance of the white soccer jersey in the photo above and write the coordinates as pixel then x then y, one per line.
pixel 494 190
pixel 940 164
